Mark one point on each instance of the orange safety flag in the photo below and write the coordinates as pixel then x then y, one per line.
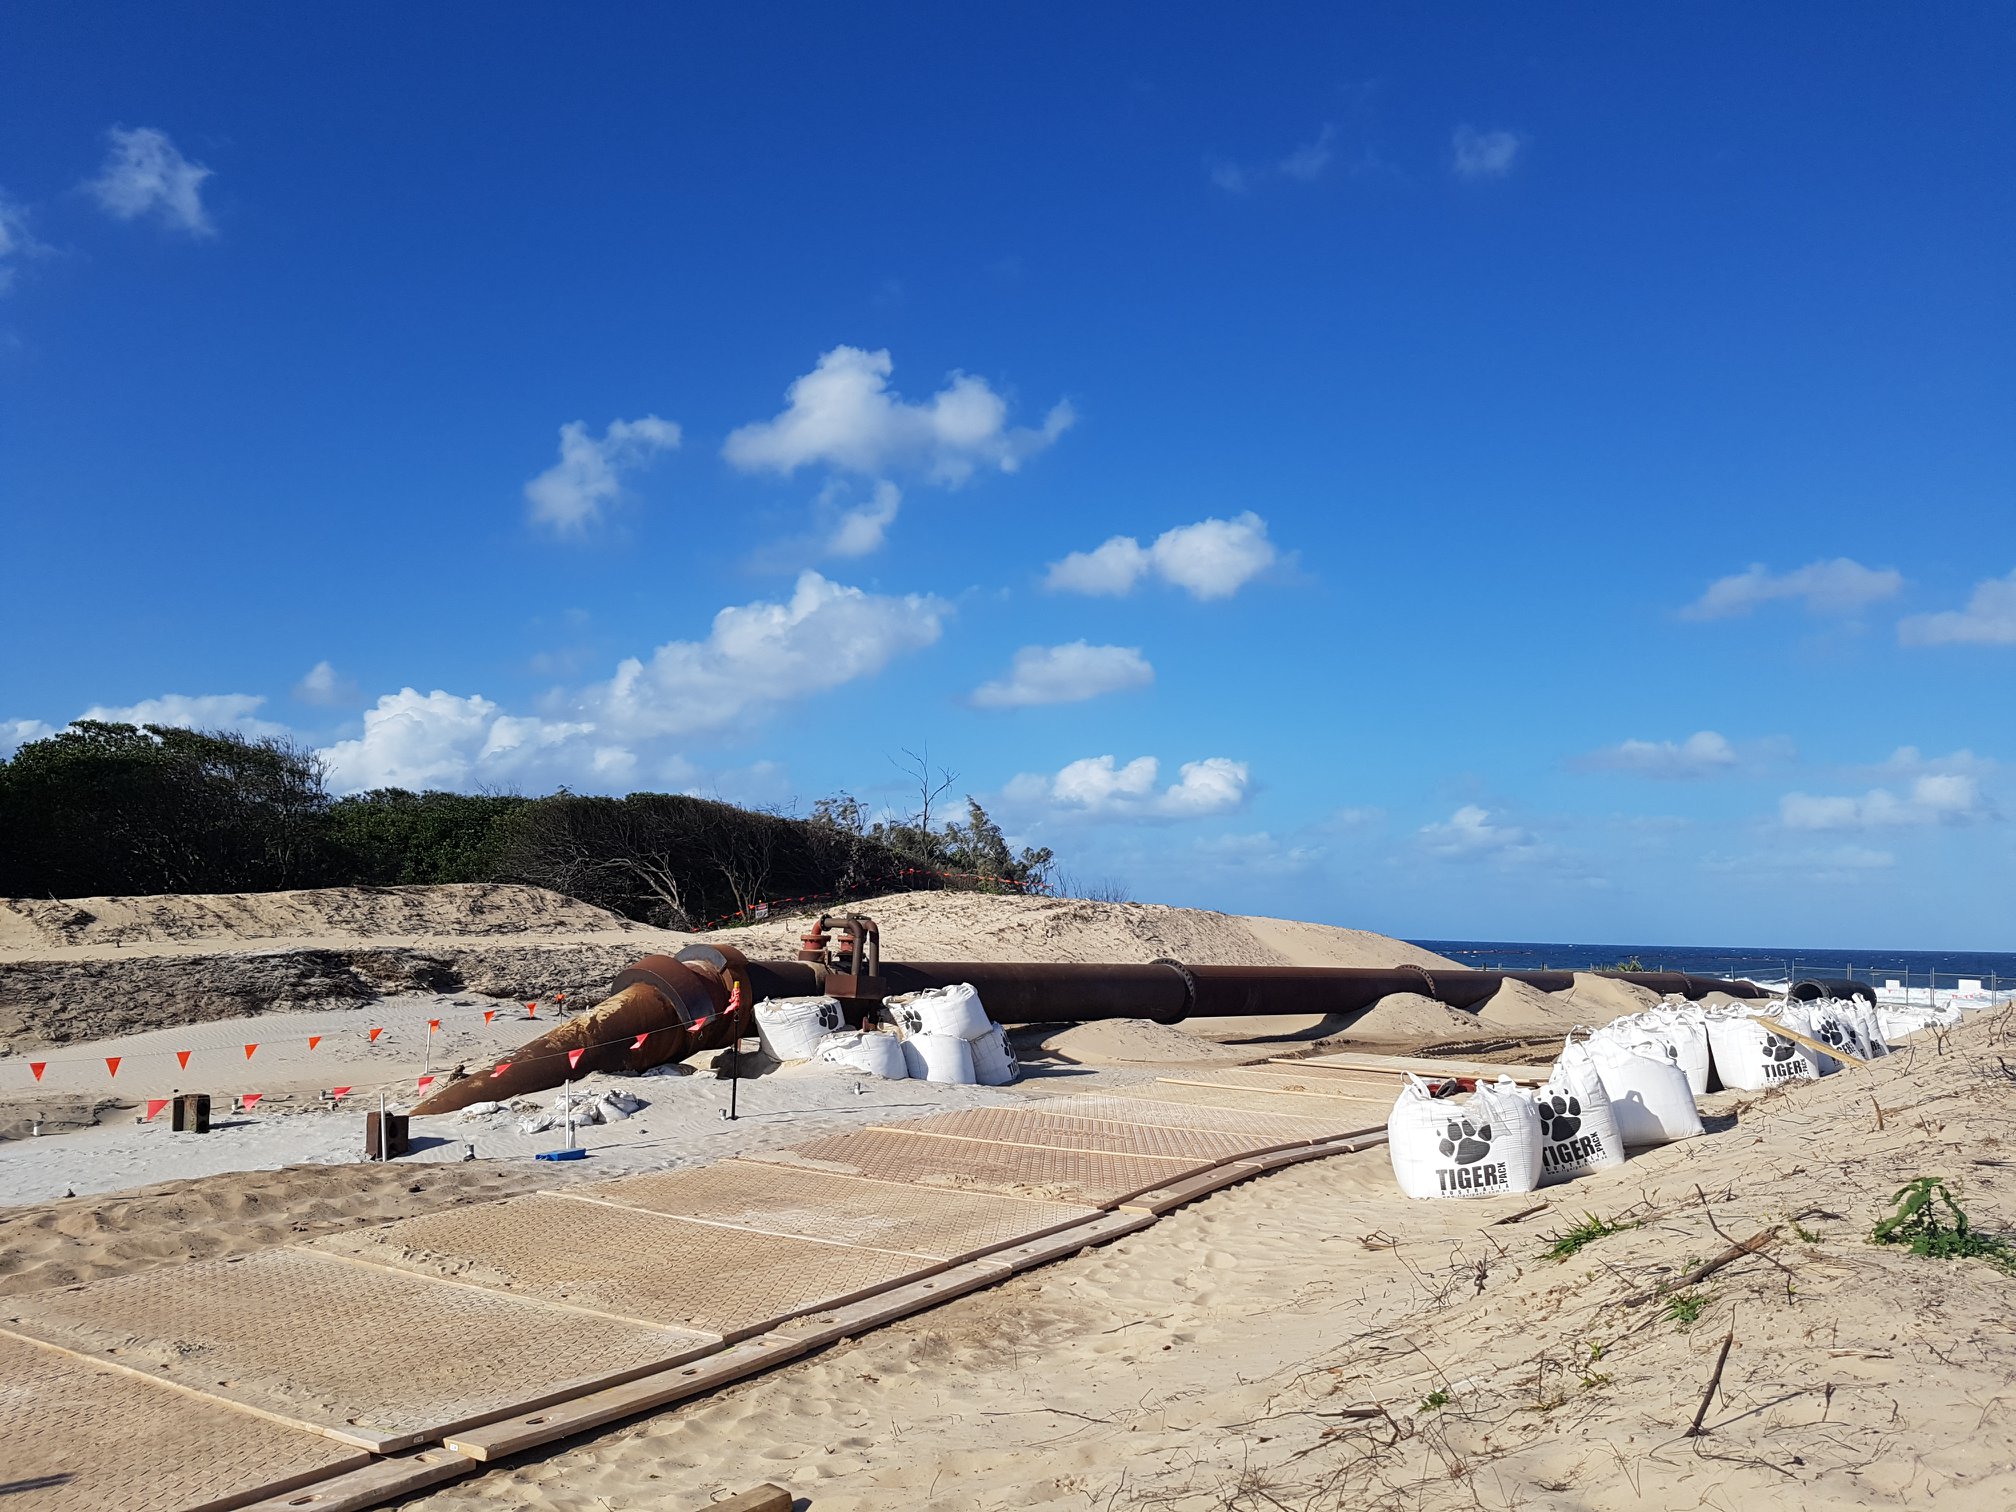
pixel 182 1059
pixel 432 1025
pixel 426 1082
pixel 559 997
pixel 335 1092
pixel 112 1064
pixel 314 1040
pixel 374 1035
pixel 638 1043
pixel 38 1067
pixel 574 1057
pixel 155 1105
pixel 489 1014
pixel 248 1051
pixel 246 1099
pixel 532 1009
pixel 734 996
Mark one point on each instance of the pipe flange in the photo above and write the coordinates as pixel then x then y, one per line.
pixel 1426 976
pixel 1189 990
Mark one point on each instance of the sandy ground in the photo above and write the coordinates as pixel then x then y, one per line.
pixel 1312 1340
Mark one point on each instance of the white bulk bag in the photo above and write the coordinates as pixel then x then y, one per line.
pixel 953 1010
pixel 1849 1025
pixel 1902 1023
pixel 1684 1029
pixel 876 1054
pixel 791 1028
pixel 1484 1146
pixel 1578 1128
pixel 1749 1058
pixel 1648 1091
pixel 994 1062
pixel 939 1058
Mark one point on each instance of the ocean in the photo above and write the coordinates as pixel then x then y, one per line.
pixel 1941 968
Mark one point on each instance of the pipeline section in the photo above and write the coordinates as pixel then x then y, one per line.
pixel 666 1008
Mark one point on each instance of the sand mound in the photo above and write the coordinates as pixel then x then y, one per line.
pixel 1109 1042
pixel 1519 1006
pixel 1598 999
pixel 955 926
pixel 321 915
pixel 1722 1000
pixel 1411 1016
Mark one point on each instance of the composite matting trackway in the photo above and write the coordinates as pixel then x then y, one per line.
pixel 351 1369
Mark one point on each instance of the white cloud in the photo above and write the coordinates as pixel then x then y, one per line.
pixel 569 495
pixel 863 528
pixel 1819 864
pixel 1226 174
pixel 1470 832
pixel 1937 798
pixel 326 688
pixel 1909 761
pixel 1483 154
pixel 1988 620
pixel 144 174
pixel 208 711
pixel 1308 161
pixel 1065 674
pixel 1098 787
pixel 15 733
pixel 1212 559
pixel 843 414
pixel 1701 754
pixel 760 655
pixel 16 240
pixel 1841 588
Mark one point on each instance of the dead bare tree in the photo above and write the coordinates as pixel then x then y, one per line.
pixel 916 766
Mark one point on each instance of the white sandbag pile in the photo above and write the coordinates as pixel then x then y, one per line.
pixel 948 1037
pixel 1749 1057
pixel 791 1028
pixel 1578 1127
pixel 939 1058
pixel 1648 1091
pixel 869 1051
pixel 1850 1025
pixel 1898 1023
pixel 1483 1146
pixel 588 1108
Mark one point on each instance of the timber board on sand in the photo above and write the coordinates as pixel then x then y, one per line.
pixel 1396 1066
pixel 81 1437
pixel 1020 1126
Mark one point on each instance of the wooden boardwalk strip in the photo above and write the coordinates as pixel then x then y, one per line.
pixel 1080 1176
pixel 1397 1066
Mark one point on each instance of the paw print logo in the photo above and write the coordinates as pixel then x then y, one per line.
pixel 1560 1116
pixel 1834 1032
pixel 1778 1048
pixel 1468 1142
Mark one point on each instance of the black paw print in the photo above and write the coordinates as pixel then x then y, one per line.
pixel 1560 1116
pixel 1834 1032
pixel 1777 1048
pixel 1468 1142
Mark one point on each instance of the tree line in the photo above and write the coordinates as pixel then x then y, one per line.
pixel 120 810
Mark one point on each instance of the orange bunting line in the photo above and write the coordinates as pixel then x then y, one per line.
pixel 500 1068
pixel 182 1059
pixel 336 1092
pixel 246 1099
pixel 112 1064
pixel 489 1014
pixel 248 1051
pixel 155 1105
pixel 574 1057
pixel 638 1043
pixel 374 1035
pixel 38 1067
pixel 314 1040
pixel 426 1082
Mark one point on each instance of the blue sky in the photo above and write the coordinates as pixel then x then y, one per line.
pixel 1507 475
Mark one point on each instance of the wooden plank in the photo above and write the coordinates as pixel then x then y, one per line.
pixel 563 1420
pixel 822 1328
pixel 1101 1230
pixel 1427 1065
pixel 375 1484
pixel 1164 1198
pixel 764 1498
